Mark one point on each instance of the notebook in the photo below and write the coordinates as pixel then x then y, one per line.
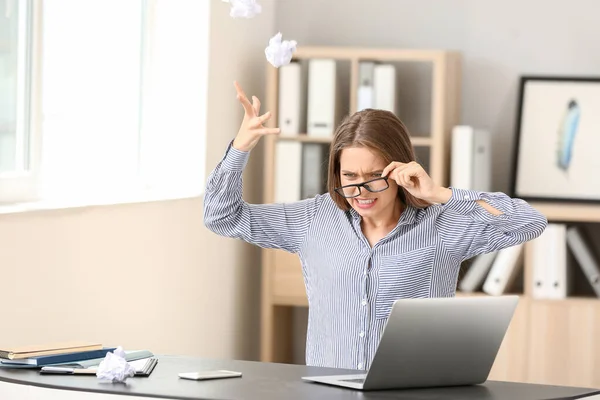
pixel 130 355
pixel 21 352
pixel 60 358
pixel 143 368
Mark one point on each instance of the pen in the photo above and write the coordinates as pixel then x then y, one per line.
pixel 67 371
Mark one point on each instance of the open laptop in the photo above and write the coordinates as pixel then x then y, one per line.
pixel 435 342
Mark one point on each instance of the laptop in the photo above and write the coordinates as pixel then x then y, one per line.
pixel 435 342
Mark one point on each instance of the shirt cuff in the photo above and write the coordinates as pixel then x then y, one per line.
pixel 234 159
pixel 462 200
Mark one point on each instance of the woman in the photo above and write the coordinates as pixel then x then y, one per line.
pixel 383 231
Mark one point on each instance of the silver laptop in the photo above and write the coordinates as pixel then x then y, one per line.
pixel 435 342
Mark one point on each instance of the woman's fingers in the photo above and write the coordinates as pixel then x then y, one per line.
pixel 258 121
pixel 404 174
pixel 256 105
pixel 246 104
pixel 391 167
pixel 241 96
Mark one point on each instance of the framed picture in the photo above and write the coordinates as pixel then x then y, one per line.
pixel 557 145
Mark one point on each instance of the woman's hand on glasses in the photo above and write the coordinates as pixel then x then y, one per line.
pixel 412 177
pixel 252 128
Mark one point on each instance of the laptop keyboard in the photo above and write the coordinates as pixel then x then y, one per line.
pixel 357 380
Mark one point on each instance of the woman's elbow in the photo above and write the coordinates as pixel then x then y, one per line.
pixel 538 224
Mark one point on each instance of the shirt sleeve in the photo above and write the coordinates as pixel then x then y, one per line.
pixel 277 225
pixel 467 229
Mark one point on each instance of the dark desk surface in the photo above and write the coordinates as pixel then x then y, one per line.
pixel 266 381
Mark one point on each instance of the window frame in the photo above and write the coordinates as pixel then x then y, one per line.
pixel 20 184
pixel 23 189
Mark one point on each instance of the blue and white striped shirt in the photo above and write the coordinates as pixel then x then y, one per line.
pixel 350 285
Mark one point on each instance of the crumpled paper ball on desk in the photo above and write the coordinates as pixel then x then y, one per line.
pixel 114 367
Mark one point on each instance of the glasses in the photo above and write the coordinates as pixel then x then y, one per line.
pixel 373 186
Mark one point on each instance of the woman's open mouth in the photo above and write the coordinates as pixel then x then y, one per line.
pixel 364 203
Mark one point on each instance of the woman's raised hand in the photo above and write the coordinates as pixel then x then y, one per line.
pixel 252 128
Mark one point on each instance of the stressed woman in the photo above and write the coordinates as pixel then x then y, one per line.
pixel 383 231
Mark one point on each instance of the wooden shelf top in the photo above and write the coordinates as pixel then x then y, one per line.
pixel 416 140
pixel 305 138
pixel 383 54
pixel 568 212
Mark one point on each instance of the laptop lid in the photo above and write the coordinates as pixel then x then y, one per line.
pixel 433 342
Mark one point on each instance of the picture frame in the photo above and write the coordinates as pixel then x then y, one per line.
pixel 557 142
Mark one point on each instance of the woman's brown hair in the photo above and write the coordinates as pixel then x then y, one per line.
pixel 380 131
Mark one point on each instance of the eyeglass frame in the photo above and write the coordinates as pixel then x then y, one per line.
pixel 363 184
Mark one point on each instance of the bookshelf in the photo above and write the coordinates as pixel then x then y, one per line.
pixel 282 281
pixel 548 341
pixel 569 212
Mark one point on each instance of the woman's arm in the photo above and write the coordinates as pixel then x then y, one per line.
pixel 472 222
pixel 281 226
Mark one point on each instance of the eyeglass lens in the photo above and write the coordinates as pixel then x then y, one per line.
pixel 375 186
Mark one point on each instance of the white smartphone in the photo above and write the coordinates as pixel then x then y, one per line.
pixel 215 374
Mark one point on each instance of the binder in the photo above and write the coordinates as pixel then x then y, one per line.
pixel 288 171
pixel 504 270
pixel 555 252
pixel 323 107
pixel 366 90
pixel 384 82
pixel 471 163
pixel 586 260
pixel 292 101
pixel 544 257
pixel 477 272
pixel 314 169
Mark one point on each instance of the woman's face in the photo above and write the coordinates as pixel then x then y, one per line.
pixel 360 164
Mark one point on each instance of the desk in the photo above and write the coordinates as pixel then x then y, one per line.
pixel 264 381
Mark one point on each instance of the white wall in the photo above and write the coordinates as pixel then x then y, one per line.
pixel 498 39
pixel 146 275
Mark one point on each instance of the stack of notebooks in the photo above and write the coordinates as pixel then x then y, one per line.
pixel 72 357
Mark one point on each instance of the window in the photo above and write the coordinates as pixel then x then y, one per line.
pixel 122 99
pixel 16 165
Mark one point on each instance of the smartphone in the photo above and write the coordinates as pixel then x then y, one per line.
pixel 216 374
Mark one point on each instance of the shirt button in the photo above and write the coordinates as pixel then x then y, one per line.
pixel 362 334
pixel 360 366
pixel 365 272
pixel 364 302
pixel 466 197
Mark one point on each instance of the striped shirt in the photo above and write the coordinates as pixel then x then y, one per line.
pixel 350 285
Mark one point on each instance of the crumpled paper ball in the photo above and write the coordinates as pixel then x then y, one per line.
pixel 279 52
pixel 244 8
pixel 115 367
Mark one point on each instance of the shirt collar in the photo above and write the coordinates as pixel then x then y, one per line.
pixel 407 217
